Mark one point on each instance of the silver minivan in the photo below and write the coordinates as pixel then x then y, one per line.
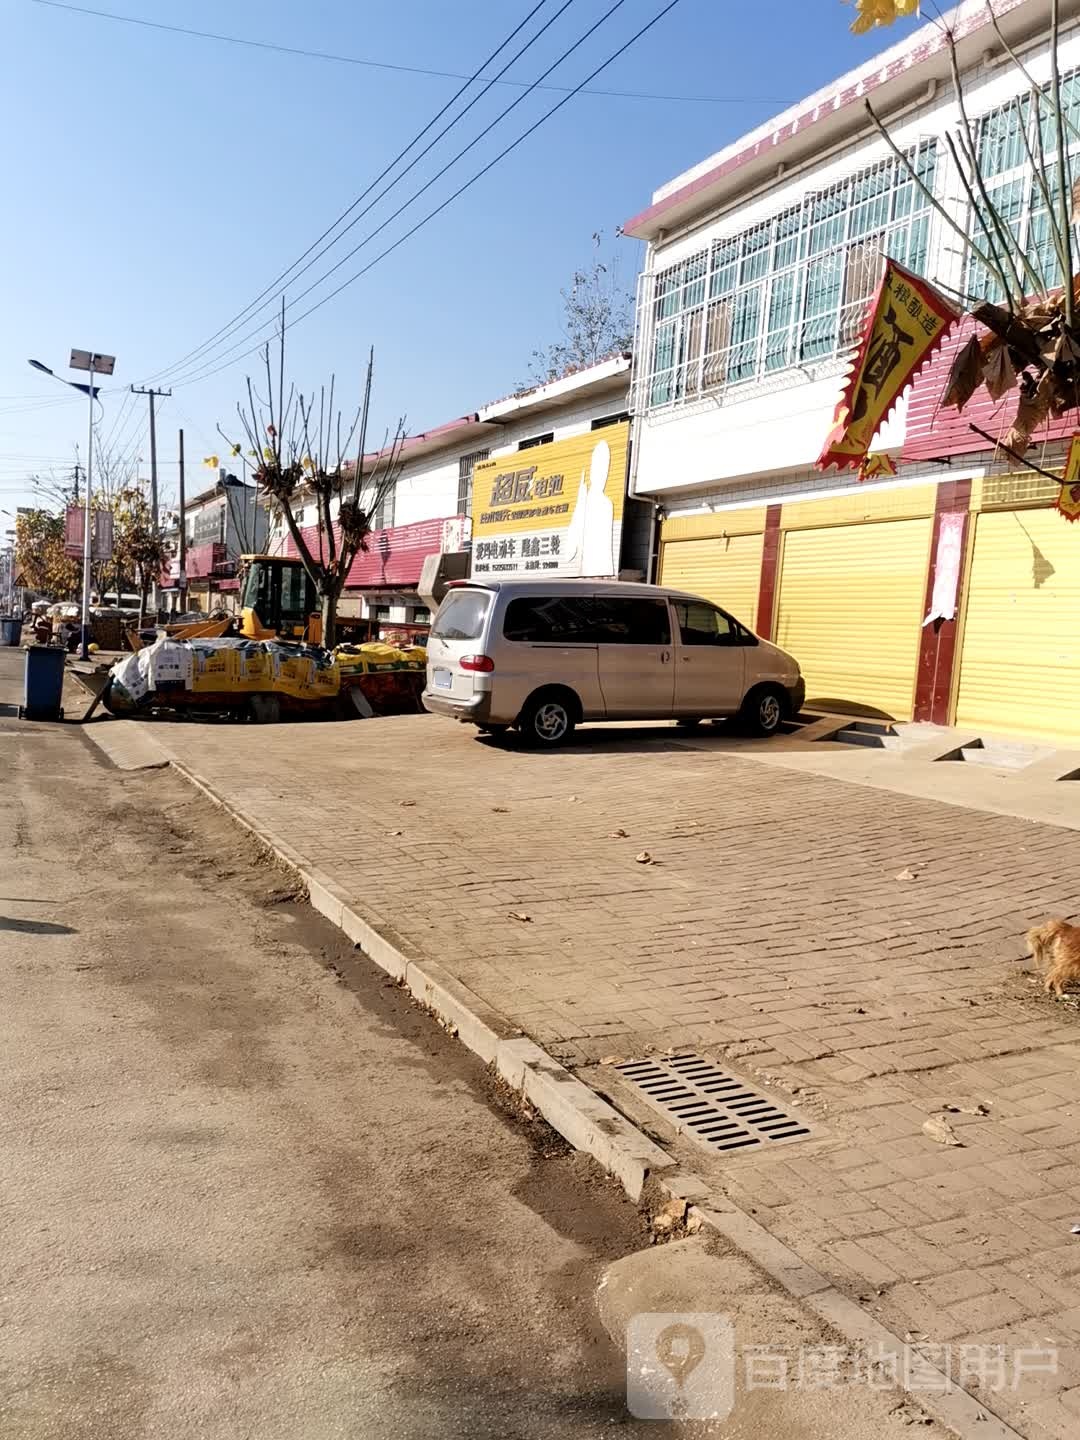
pixel 545 655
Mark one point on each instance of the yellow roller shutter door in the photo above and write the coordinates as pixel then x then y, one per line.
pixel 1020 651
pixel 850 611
pixel 727 572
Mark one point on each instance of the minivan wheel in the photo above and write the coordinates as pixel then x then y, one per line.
pixel 547 721
pixel 763 710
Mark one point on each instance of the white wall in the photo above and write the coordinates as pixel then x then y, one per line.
pixel 777 425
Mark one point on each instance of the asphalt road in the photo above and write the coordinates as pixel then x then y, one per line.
pixel 241 1195
pixel 248 1189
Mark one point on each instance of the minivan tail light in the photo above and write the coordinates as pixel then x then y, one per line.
pixel 477 662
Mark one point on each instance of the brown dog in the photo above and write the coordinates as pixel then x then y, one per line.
pixel 1056 945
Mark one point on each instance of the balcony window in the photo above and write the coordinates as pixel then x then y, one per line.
pixel 1006 140
pixel 382 517
pixel 790 290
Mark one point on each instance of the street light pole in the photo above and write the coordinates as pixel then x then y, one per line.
pixel 103 365
pixel 88 520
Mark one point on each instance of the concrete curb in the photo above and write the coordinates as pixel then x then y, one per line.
pixel 591 1125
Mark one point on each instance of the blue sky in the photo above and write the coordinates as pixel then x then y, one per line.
pixel 156 183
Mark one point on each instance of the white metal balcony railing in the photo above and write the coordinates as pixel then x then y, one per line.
pixel 764 361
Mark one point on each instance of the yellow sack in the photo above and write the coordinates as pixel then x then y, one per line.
pixel 212 670
pixel 291 674
pixel 252 668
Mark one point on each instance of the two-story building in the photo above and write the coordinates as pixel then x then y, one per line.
pixel 445 496
pixel 220 524
pixel 949 590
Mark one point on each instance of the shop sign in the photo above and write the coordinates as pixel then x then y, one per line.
pixel 554 509
pixel 906 322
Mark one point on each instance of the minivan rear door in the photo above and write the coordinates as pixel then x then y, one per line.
pixel 633 637
pixel 710 668
pixel 457 632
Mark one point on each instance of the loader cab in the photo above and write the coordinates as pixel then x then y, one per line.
pixel 278 599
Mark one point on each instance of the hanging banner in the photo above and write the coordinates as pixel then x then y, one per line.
pixel 948 558
pixel 1068 500
pixel 906 322
pixel 875 467
pixel 101 533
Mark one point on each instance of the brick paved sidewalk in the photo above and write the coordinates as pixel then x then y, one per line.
pixel 773 929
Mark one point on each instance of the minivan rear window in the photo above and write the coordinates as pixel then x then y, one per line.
pixel 588 620
pixel 461 615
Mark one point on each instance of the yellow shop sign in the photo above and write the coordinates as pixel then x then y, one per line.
pixel 553 509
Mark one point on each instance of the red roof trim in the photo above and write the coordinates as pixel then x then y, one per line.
pixel 922 46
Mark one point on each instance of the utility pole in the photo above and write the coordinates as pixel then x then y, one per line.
pixel 153 394
pixel 182 581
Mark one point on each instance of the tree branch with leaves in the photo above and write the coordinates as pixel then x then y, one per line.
pixel 39 555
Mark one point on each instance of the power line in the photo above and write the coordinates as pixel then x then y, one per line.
pixel 403 69
pixel 186 379
pixel 238 319
pixel 114 428
pixel 469 183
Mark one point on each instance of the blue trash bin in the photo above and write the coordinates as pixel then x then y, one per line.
pixel 10 629
pixel 43 685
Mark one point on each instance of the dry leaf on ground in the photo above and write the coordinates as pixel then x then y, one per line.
pixel 939 1129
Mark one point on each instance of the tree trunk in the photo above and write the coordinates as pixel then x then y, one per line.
pixel 329 619
pixel 143 590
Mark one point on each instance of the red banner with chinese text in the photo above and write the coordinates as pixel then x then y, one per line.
pixel 906 322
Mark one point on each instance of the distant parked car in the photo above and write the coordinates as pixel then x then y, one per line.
pixel 544 656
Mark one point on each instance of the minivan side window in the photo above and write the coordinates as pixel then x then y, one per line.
pixel 551 618
pixel 461 615
pixel 619 620
pixel 587 620
pixel 701 624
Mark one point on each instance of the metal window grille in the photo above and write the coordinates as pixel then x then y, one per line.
pixel 1006 140
pixel 383 515
pixel 464 479
pixel 788 292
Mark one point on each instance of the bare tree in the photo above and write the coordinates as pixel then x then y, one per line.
pixel 299 444
pixel 1024 298
pixel 598 320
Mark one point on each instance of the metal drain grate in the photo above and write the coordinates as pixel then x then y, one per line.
pixel 710 1105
